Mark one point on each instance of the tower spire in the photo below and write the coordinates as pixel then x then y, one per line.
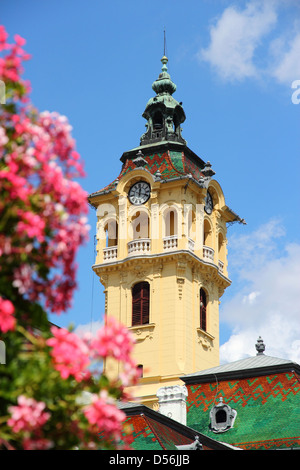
pixel 163 113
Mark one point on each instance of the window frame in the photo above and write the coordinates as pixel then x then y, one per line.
pixel 140 293
pixel 203 309
pixel 219 426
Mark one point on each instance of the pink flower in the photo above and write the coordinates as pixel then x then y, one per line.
pixel 7 320
pixel 32 225
pixel 39 164
pixel 19 40
pixel 70 354
pixel 113 340
pixel 104 416
pixel 37 444
pixel 3 34
pixel 28 415
pixel 130 374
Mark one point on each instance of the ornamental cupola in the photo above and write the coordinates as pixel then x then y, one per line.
pixel 163 113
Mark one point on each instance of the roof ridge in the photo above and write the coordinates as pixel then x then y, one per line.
pixel 154 431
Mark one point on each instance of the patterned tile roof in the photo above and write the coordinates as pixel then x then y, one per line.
pixel 169 160
pixel 267 406
pixel 154 431
pixel 152 435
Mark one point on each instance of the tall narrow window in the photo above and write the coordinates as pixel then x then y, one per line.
pixel 140 303
pixel 203 305
pixel 170 220
pixel 111 233
pixel 158 120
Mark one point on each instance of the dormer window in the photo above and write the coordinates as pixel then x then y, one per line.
pixel 222 417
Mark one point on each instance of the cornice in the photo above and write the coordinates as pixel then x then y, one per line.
pixel 177 256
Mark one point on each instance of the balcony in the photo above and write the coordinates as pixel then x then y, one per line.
pixel 171 242
pixel 110 253
pixel 208 253
pixel 141 246
pixel 191 244
pixel 221 266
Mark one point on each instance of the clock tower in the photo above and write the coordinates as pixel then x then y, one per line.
pixel 161 249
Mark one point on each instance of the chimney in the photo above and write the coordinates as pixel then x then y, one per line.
pixel 172 402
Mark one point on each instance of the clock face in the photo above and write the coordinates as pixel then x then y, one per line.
pixel 139 193
pixel 208 203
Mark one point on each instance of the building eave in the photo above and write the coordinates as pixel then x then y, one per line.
pixel 242 373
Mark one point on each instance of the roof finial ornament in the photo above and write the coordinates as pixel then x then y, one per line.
pixel 164 59
pixel 260 346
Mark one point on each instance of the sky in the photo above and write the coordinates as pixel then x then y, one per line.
pixel 237 70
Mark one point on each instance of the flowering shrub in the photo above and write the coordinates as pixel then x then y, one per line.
pixel 102 414
pixel 43 222
pixel 28 415
pixel 70 354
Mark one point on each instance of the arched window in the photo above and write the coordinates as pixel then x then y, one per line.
pixel 171 223
pixel 221 416
pixel 203 306
pixel 157 120
pixel 111 233
pixel 140 225
pixel 207 234
pixel 140 303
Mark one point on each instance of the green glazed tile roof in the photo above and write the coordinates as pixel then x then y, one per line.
pixel 151 435
pixel 169 163
pixel 268 412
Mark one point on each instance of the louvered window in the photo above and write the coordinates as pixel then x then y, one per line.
pixel 203 304
pixel 140 304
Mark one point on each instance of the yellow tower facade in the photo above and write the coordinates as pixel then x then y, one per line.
pixel 161 249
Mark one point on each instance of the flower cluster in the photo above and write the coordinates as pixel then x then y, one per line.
pixel 70 354
pixel 104 416
pixel 7 320
pixel 42 208
pixel 28 415
pixel 116 341
pixel 73 355
pixel 113 340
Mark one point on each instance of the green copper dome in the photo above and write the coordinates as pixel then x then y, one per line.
pixel 163 113
pixel 164 83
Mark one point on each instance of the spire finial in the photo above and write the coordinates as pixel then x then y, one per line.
pixel 260 347
pixel 164 59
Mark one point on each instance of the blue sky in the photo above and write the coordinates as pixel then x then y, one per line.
pixel 234 64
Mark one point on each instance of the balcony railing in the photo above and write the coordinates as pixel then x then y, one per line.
pixel 191 244
pixel 221 266
pixel 171 242
pixel 208 253
pixel 141 246
pixel 110 253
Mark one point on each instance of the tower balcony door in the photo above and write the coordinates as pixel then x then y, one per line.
pixel 140 229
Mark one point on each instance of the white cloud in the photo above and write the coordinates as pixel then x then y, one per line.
pixel 242 47
pixel 235 38
pixel 251 298
pixel 268 302
pixel 286 55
